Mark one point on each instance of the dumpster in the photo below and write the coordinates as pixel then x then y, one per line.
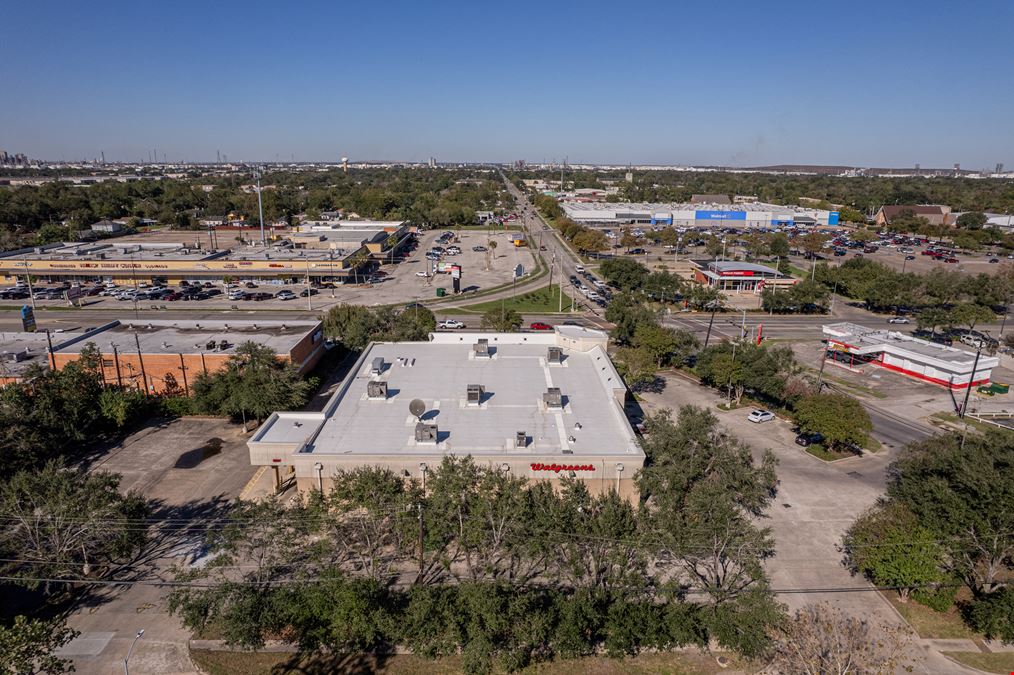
pixel 441 292
pixel 1000 388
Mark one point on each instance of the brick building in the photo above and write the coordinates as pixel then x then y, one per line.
pixel 153 354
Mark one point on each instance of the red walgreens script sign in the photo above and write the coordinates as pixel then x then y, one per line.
pixel 562 467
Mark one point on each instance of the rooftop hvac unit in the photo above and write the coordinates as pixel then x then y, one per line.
pixel 377 366
pixel 223 345
pixel 210 345
pixel 553 398
pixel 555 355
pixel 474 394
pixel 375 389
pixel 521 440
pixel 425 433
pixel 481 348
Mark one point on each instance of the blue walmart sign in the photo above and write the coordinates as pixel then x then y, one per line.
pixel 720 215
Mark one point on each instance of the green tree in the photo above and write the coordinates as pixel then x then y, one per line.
pixel 848 214
pixel 841 419
pixel 629 240
pixel 933 317
pixel 627 312
pixel 663 286
pixel 969 314
pixel 972 220
pixel 624 273
pixel 354 325
pixel 64 524
pixel 255 382
pixel 960 487
pixel 778 245
pixel 718 367
pixel 27 646
pixel 755 245
pixel 701 489
pixel 501 320
pixel 590 240
pixel 993 615
pixel 889 546
pixel 665 345
pixel 702 297
pixel 637 366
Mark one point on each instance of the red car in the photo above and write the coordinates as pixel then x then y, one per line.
pixel 538 325
pixel 950 260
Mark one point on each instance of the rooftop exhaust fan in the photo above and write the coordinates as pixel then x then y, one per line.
pixel 553 398
pixel 474 394
pixel 425 433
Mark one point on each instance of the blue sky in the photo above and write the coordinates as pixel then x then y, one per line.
pixel 709 82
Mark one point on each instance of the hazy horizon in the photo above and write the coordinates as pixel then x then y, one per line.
pixel 737 85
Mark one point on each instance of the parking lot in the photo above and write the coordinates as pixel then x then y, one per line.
pixel 192 469
pixel 391 284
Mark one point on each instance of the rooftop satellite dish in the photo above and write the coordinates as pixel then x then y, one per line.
pixel 417 407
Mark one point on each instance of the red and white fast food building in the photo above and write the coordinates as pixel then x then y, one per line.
pixel 541 405
pixel 732 275
pixel 856 346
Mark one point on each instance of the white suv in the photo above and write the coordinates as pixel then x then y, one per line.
pixel 451 323
pixel 758 416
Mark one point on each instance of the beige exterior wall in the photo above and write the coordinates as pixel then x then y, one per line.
pixel 603 478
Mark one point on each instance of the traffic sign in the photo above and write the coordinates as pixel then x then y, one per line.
pixel 27 319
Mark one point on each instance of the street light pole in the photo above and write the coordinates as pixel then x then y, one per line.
pixel 126 661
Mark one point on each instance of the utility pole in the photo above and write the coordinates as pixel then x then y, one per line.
pixel 260 206
pixel 140 359
pixel 820 374
pixel 309 291
pixel 28 280
pixel 971 379
pixel 714 308
pixel 52 357
pixel 422 537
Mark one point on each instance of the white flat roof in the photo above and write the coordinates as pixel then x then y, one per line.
pixel 591 423
pixel 863 340
pixel 168 336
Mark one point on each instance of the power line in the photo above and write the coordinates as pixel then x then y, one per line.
pixel 682 590
pixel 181 525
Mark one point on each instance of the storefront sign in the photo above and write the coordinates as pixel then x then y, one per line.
pixel 557 468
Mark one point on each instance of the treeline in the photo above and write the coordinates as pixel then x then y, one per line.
pixel 52 415
pixel 768 374
pixel 356 325
pixel 867 194
pixel 63 522
pixel 883 288
pixel 425 197
pixel 503 570
pixel 946 522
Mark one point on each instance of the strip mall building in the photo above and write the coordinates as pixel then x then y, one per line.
pixel 540 405
pixel 855 346
pixel 156 355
